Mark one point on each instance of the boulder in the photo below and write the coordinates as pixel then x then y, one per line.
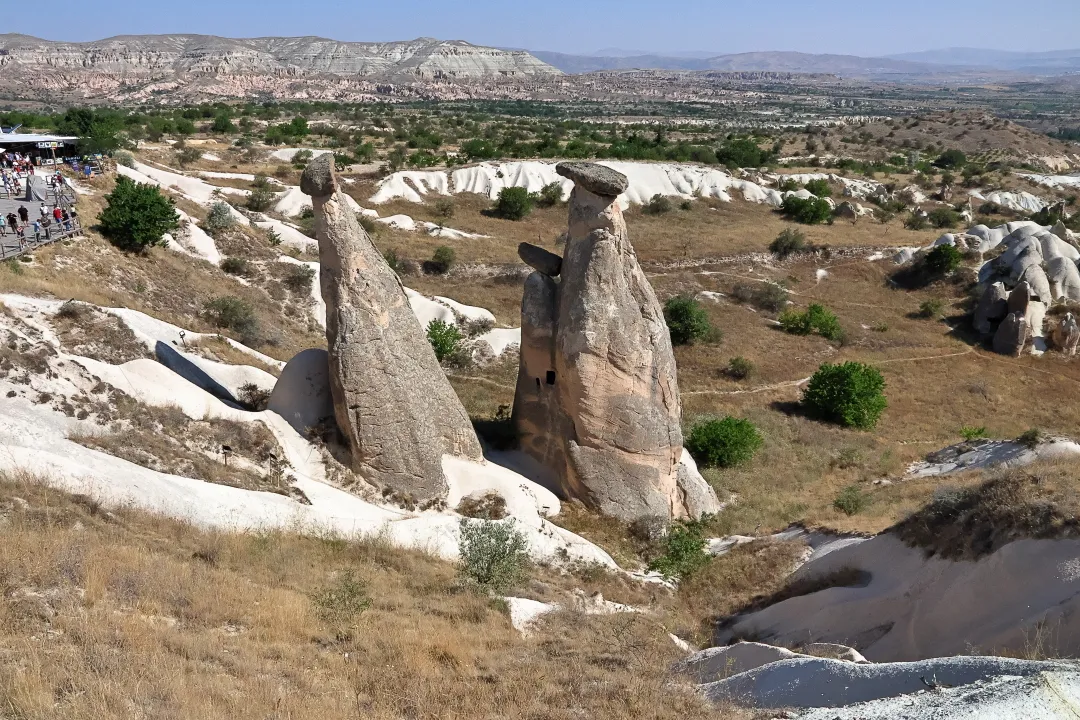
pixel 993 306
pixel 391 399
pixel 1019 298
pixel 597 399
pixel 597 179
pixel 847 211
pixel 540 259
pixel 1011 335
pixel 1067 335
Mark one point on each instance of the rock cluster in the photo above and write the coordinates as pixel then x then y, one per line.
pixel 597 399
pixel 391 399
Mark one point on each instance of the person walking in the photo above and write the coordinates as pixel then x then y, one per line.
pixel 56 214
pixel 3 226
pixel 43 210
pixel 66 219
pixel 24 214
pixel 37 230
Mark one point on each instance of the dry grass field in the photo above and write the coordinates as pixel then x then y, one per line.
pixel 121 614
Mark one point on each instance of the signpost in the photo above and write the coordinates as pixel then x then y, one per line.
pixel 51 145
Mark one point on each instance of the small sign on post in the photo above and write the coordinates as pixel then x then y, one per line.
pixel 51 144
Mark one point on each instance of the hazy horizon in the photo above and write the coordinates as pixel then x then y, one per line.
pixel 846 28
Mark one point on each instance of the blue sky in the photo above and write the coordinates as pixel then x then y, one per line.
pixel 862 27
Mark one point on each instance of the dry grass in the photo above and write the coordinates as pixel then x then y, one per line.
pixel 215 347
pixel 964 521
pixel 166 440
pixel 84 330
pixel 122 614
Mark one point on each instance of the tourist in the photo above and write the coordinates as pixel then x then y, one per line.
pixel 13 222
pixel 66 218
pixel 44 211
pixel 37 230
pixel 3 225
pixel 56 214
pixel 24 214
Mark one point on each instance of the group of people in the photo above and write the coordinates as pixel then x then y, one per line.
pixel 18 163
pixel 56 220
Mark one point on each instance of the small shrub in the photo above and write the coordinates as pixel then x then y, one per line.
pixel 1031 439
pixel 253 397
pixel 850 501
pixel 300 278
pixel 441 261
pixel 494 555
pixel 234 314
pixel 764 296
pixel 944 218
pixel 273 237
pixel 261 182
pixel 392 259
pixel 236 266
pixel 219 218
pixel 931 308
pixel 445 339
pixel 489 506
pixel 370 225
pixel 513 203
pixel 657 205
pixel 811 211
pixel 850 394
pixel 740 368
pixel 816 318
pixel 125 158
pixel 260 199
pixel 970 432
pixel 789 242
pixel 723 443
pixel 687 320
pixel 444 208
pixel 550 195
pixel 340 604
pixel 916 221
pixel 686 205
pixel 683 552
pixel 137 217
pixel 943 260
pixel 187 155
pixel 820 188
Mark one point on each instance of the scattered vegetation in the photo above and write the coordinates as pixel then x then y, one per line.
pixel 513 203
pixel 789 242
pixel 932 308
pixel 739 368
pixel 809 211
pixel 220 218
pixel 683 552
pixel 445 339
pixel 658 205
pixel 972 432
pixel 815 318
pixel 769 296
pixel 441 261
pixel 494 555
pixel 851 500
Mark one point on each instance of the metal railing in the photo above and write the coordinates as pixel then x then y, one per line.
pixel 12 246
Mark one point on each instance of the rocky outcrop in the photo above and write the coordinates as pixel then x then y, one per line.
pixel 540 259
pixel 993 306
pixel 1066 335
pixel 391 398
pixel 597 398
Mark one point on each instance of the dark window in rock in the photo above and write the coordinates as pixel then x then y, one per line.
pixel 537 383
pixel 550 377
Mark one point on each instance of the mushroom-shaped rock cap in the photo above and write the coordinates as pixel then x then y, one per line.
pixel 318 178
pixel 540 259
pixel 597 179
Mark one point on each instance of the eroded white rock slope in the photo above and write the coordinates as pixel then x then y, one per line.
pixel 34 438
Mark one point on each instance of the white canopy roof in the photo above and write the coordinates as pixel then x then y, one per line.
pixel 15 138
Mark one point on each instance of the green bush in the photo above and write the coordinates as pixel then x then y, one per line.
pixel 931 308
pixel 300 278
pixel 444 208
pixel 234 314
pixel 850 394
pixel 657 205
pixel 550 195
pixel 943 260
pixel 811 211
pixel 392 259
pixel 187 155
pixel 1031 439
pixel 850 501
pixel 273 237
pixel 916 221
pixel 444 338
pixel 789 242
pixel 944 218
pixel 971 432
pixel 742 153
pixel 124 158
pixel 820 188
pixel 683 552
pixel 235 266
pixel 442 260
pixel 816 318
pixel 740 368
pixel 260 199
pixel 723 443
pixel 494 555
pixel 339 605
pixel 219 218
pixel 764 296
pixel 137 217
pixel 514 203
pixel 686 319
pixel 951 159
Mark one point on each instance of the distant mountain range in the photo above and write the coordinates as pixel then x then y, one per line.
pixel 948 62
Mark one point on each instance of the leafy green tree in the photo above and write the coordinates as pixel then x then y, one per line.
pixel 137 217
pixel 850 394
pixel 185 127
pixel 943 260
pixel 788 242
pixel 820 188
pixel 809 211
pixel 223 124
pixel 684 552
pixel 951 159
pixel 723 443
pixel 445 338
pixel 742 153
pixel 944 217
pixel 494 554
pixel 687 320
pixel 514 203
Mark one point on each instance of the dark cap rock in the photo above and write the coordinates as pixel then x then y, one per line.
pixel 597 179
pixel 318 178
pixel 540 259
